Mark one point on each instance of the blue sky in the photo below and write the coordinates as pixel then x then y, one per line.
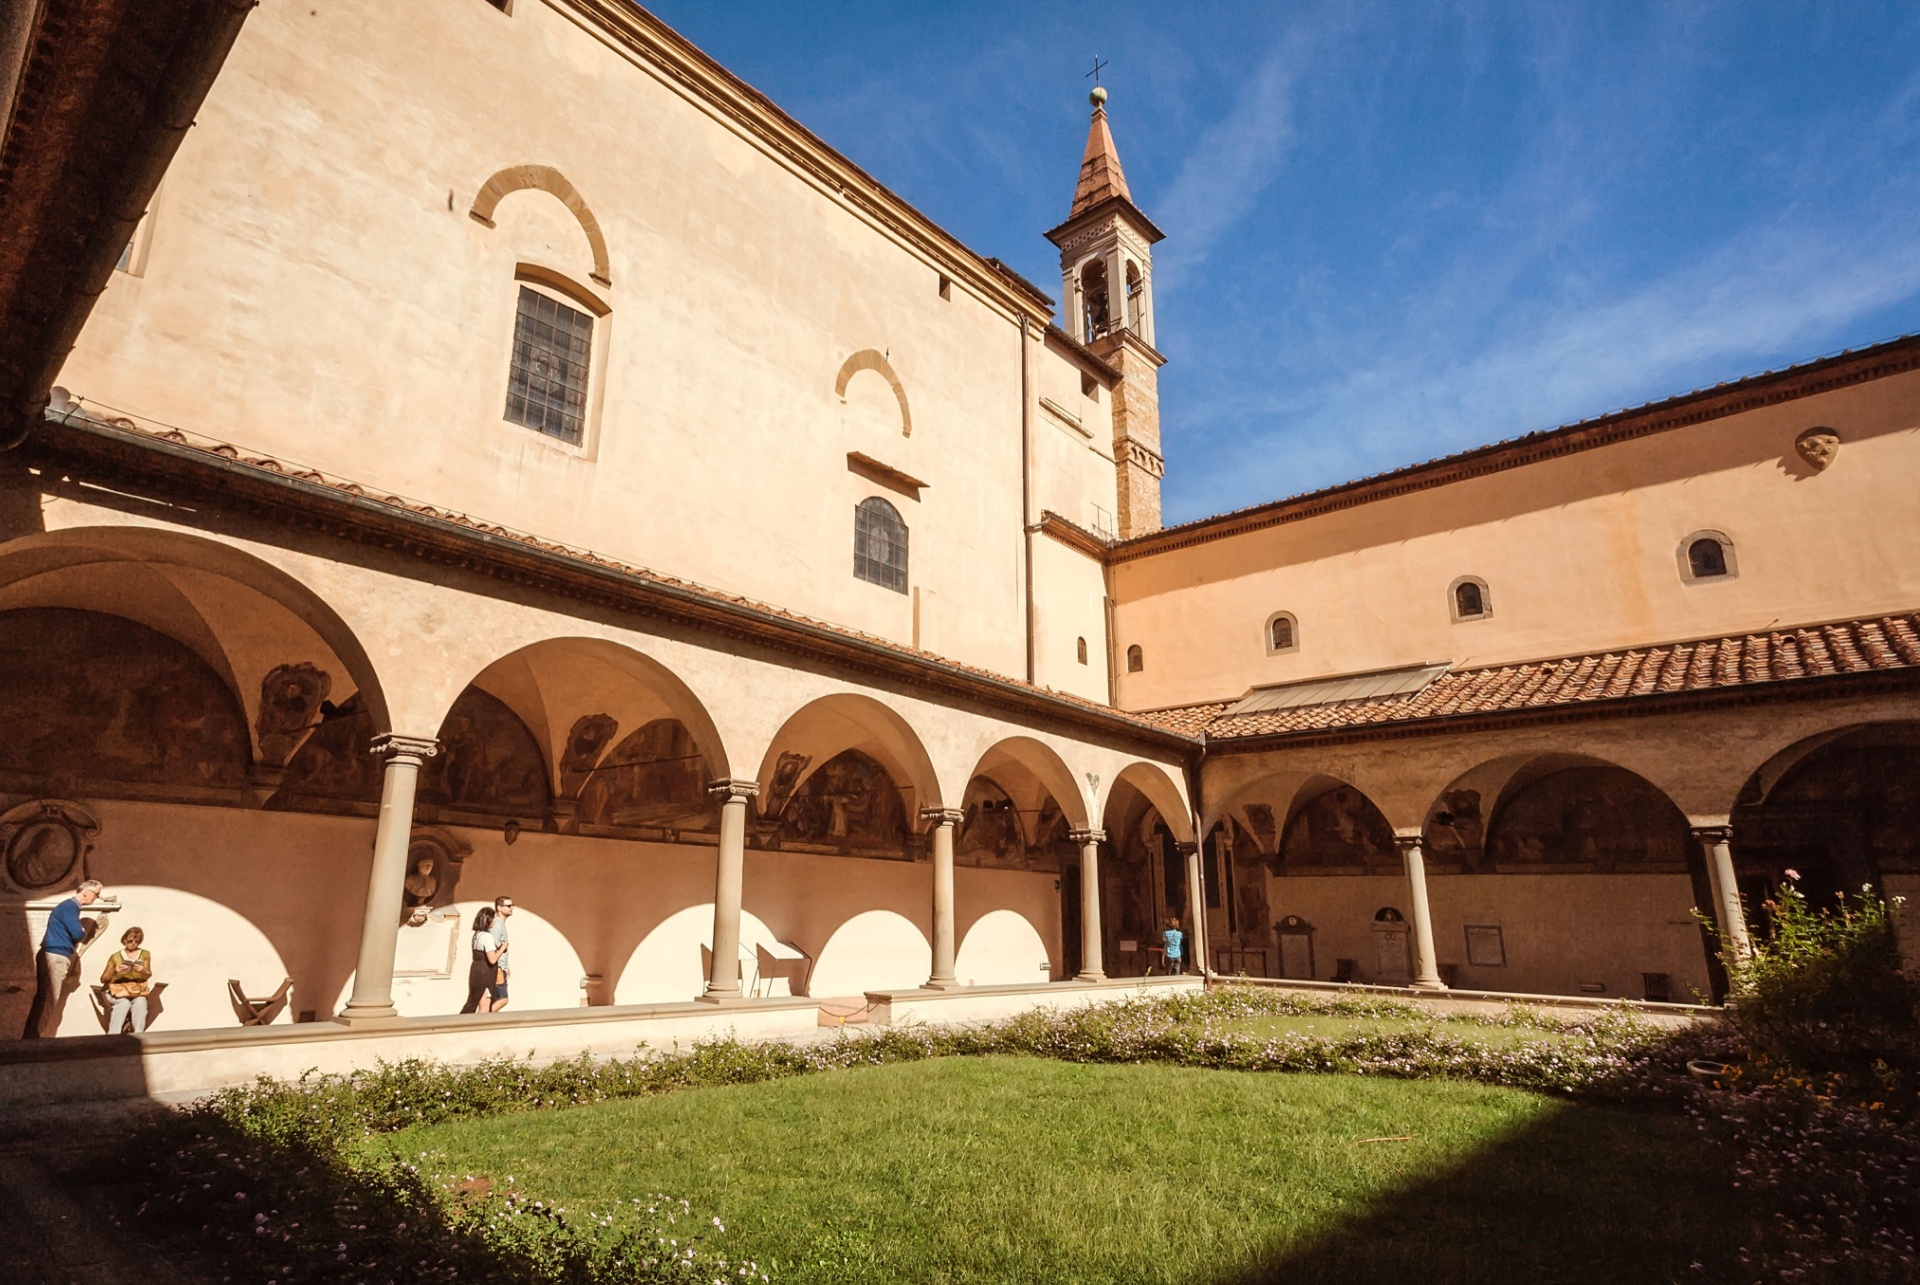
pixel 1395 231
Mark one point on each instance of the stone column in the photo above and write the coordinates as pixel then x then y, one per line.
pixel 942 822
pixel 372 998
pixel 1426 966
pixel 1092 966
pixel 1716 841
pixel 1196 906
pixel 729 879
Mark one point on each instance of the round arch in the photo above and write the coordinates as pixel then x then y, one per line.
pixel 581 695
pixel 831 725
pixel 1159 789
pixel 1838 808
pixel 876 361
pixel 1567 810
pixel 189 588
pixel 544 178
pixel 1044 764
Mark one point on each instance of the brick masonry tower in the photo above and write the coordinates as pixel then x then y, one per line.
pixel 1106 266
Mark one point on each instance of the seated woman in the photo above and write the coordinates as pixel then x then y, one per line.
pixel 127 976
pixel 485 969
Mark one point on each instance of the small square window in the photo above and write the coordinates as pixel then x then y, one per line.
pixel 547 387
pixel 1090 387
pixel 946 286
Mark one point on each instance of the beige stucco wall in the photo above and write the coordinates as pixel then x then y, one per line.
pixel 1561 932
pixel 230 893
pixel 1580 554
pixel 314 289
pixel 1074 607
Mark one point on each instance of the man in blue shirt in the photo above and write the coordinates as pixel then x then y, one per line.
pixel 1174 941
pixel 67 935
pixel 502 911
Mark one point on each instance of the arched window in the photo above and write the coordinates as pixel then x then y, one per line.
pixel 1080 649
pixel 1093 300
pixel 1706 555
pixel 1283 633
pixel 1135 298
pixel 1136 661
pixel 880 544
pixel 547 381
pixel 1469 599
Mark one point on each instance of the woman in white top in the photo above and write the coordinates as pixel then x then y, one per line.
pixel 486 959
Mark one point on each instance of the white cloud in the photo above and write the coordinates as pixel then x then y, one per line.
pixel 1235 160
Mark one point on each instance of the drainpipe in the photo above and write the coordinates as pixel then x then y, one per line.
pixel 1026 483
pixel 1113 655
pixel 1198 803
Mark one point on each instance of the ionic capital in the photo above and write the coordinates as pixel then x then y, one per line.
pixel 936 817
pixel 730 788
pixel 1410 843
pixel 1084 837
pixel 391 746
pixel 1185 847
pixel 1712 835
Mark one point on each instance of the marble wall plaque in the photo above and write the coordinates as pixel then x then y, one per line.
pixel 428 951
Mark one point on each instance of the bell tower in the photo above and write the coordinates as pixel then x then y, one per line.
pixel 1106 267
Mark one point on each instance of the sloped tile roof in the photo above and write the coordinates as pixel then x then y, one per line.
pixel 1815 651
pixel 1100 176
pixel 78 417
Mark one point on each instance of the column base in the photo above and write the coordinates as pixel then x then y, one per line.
pixel 1426 984
pixel 723 998
pixel 1090 977
pixel 941 984
pixel 368 1015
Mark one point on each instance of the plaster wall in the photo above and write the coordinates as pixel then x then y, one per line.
pixel 314 289
pixel 1073 607
pixel 1073 446
pixel 1580 553
pixel 425 641
pixel 229 893
pixel 1561 932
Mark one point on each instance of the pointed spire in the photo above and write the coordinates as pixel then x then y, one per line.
pixel 1100 174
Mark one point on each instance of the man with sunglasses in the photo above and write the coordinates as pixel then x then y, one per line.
pixel 502 911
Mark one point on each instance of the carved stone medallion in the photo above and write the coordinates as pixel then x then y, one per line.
pixel 1818 447
pixel 43 843
pixel 290 700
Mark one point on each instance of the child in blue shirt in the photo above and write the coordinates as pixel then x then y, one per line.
pixel 1175 942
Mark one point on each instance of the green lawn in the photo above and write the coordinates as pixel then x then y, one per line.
pixel 1022 1169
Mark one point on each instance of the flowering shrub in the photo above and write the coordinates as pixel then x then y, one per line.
pixel 299 1181
pixel 1824 995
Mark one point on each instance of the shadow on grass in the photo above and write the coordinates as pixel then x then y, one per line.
pixel 224 1204
pixel 1575 1199
pixel 1618 1186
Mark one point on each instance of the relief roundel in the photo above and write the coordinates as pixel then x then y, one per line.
pixel 42 844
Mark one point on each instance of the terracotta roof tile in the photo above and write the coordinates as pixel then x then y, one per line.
pixel 1100 176
pixel 1819 651
pixel 78 416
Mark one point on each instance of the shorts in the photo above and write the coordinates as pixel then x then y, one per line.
pixel 497 990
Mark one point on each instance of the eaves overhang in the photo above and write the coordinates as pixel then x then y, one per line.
pixel 72 447
pixel 1094 213
pixel 1822 375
